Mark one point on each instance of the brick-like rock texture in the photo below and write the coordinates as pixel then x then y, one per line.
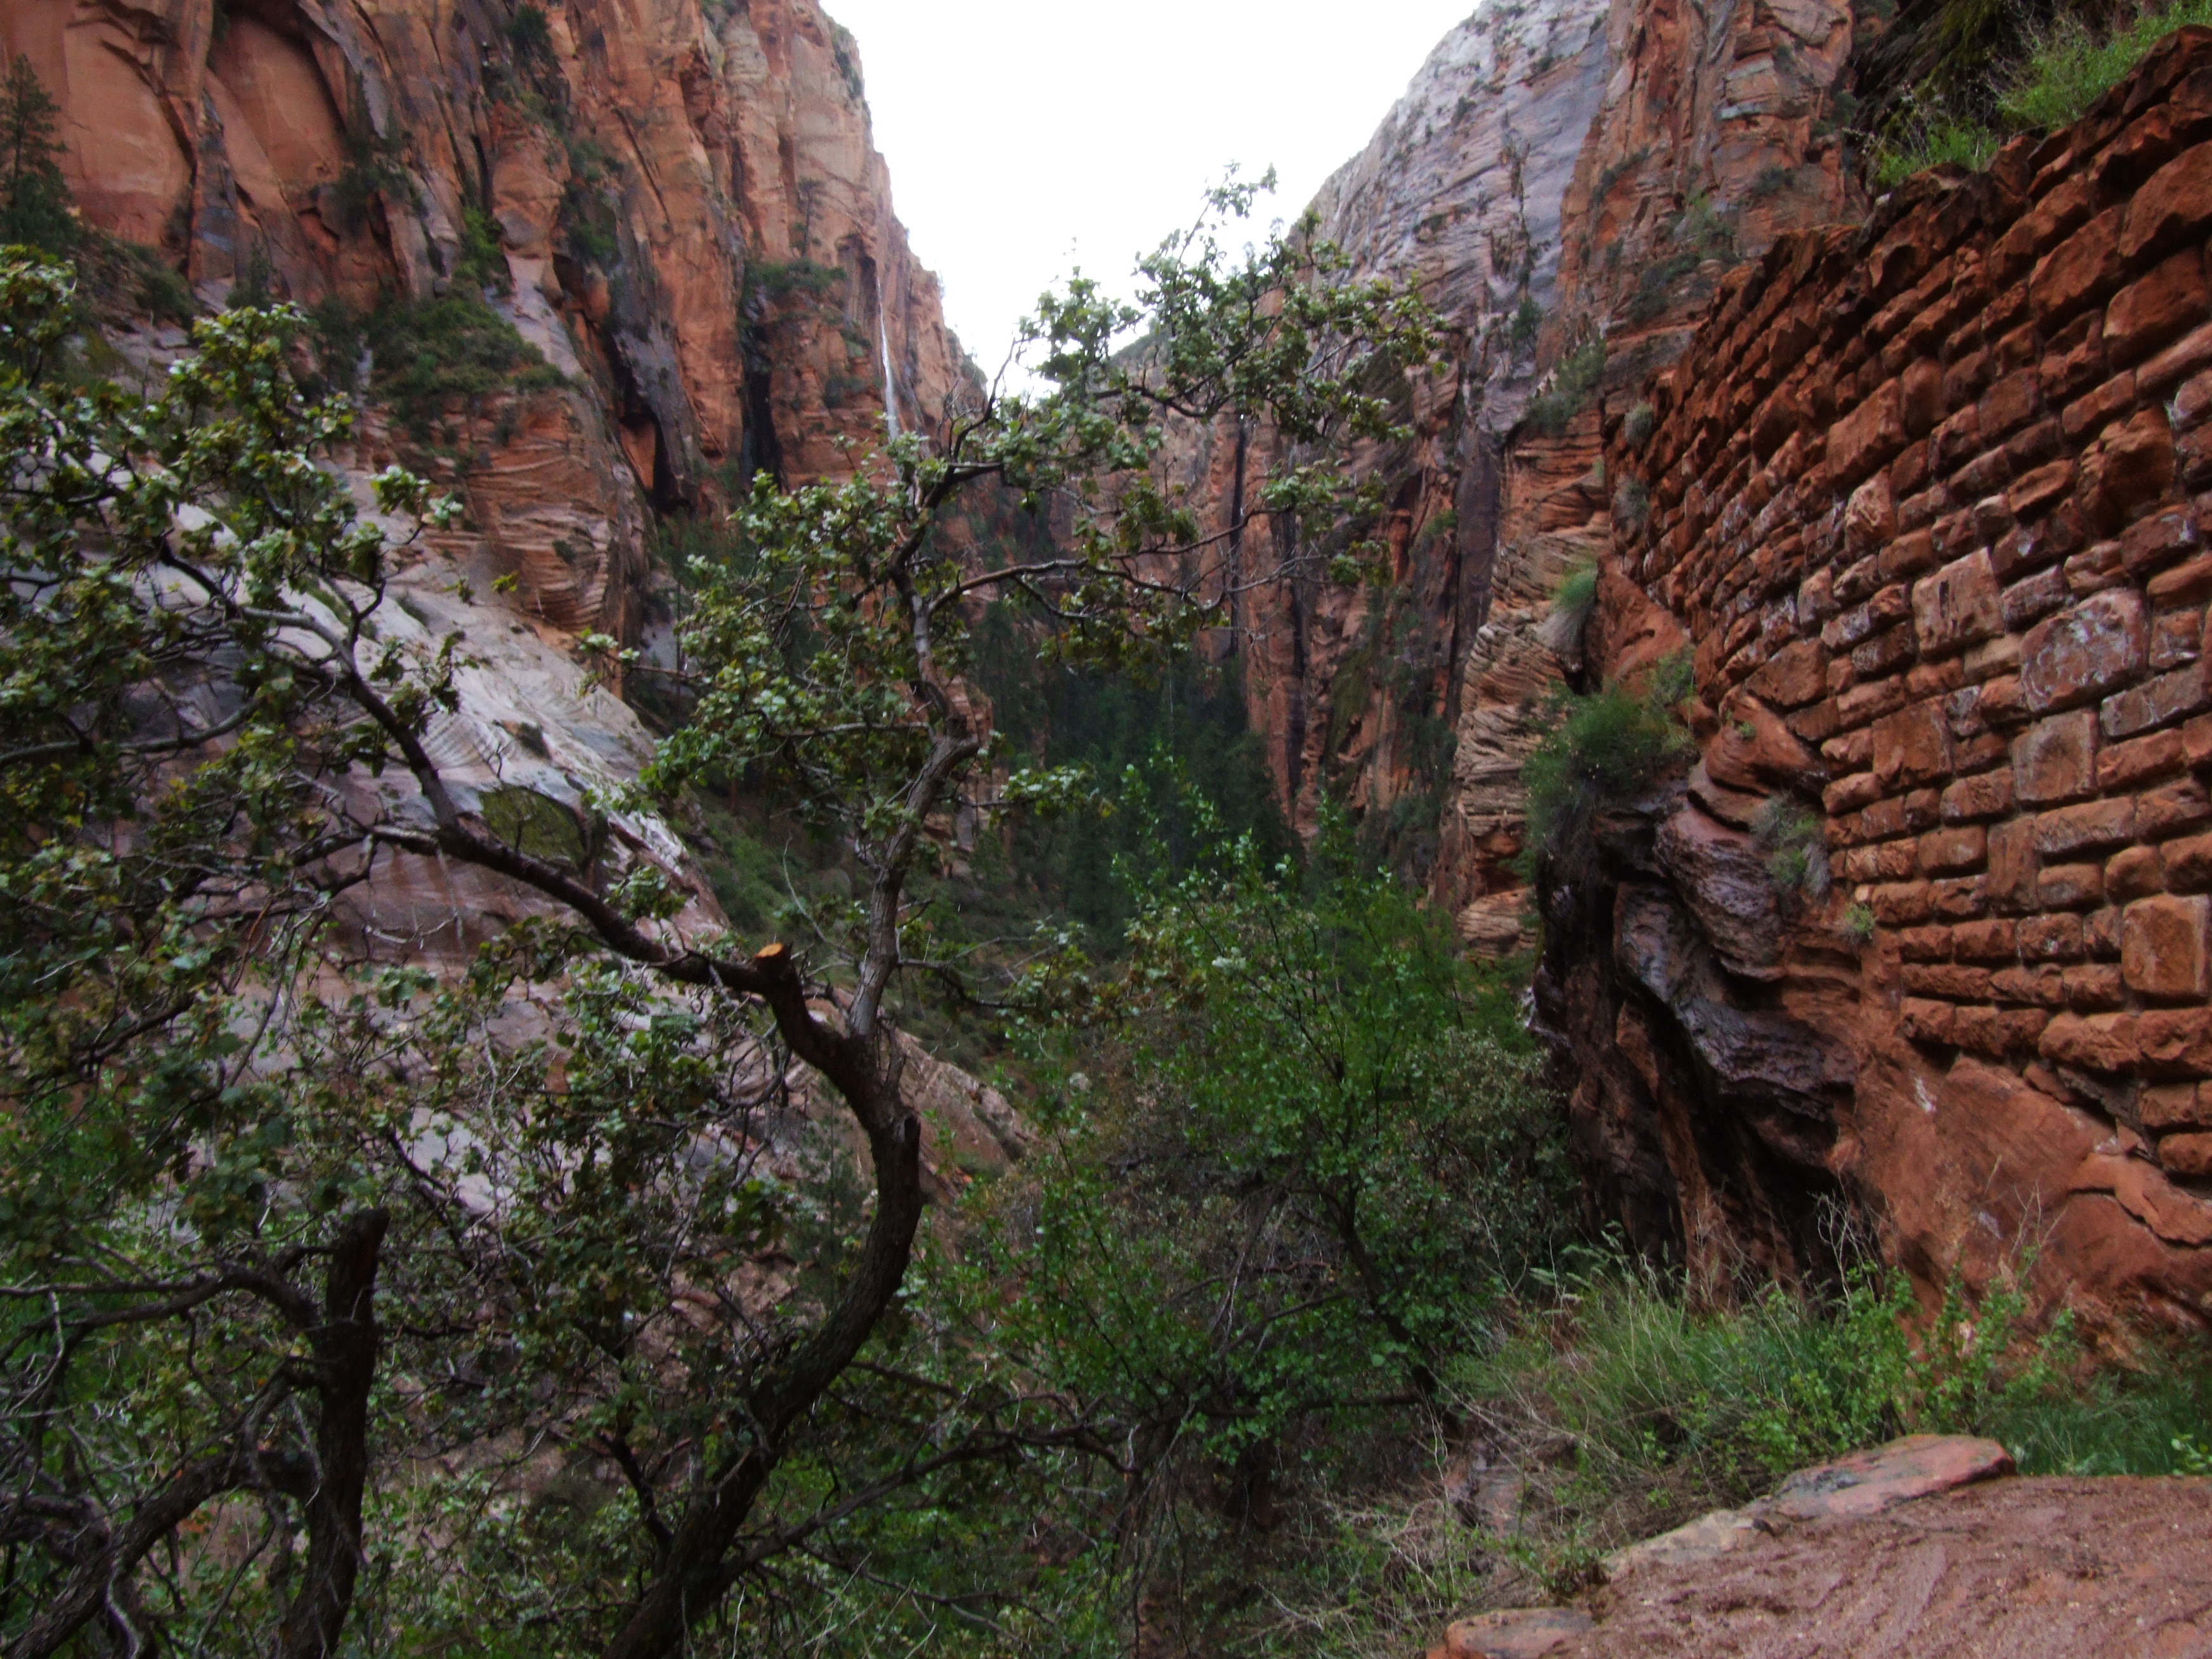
pixel 1932 494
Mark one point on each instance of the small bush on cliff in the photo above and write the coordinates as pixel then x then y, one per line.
pixel 1795 845
pixel 1609 745
pixel 1574 383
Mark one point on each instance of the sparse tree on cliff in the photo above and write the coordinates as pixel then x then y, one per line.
pixel 272 1222
pixel 34 199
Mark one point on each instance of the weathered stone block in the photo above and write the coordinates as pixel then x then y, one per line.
pixel 2095 985
pixel 2100 1042
pixel 2166 946
pixel 2034 493
pixel 1868 436
pixel 1794 676
pixel 2090 413
pixel 2027 601
pixel 2140 760
pixel 1988 796
pixel 2081 653
pixel 2128 468
pixel 2162 1106
pixel 2151 544
pixel 2070 886
pixel 1952 981
pixel 2176 637
pixel 2149 313
pixel 2041 986
pixel 1870 515
pixel 1997 1031
pixel 2189 1156
pixel 1912 745
pixel 2055 760
pixel 2091 826
pixel 1958 605
pixel 1923 1021
pixel 2051 938
pixel 2177 1040
pixel 2187 865
pixel 1946 852
pixel 2012 865
pixel 2170 808
pixel 2085 267
pixel 1903 902
pixel 1994 940
pixel 2173 205
pixel 2100 931
pixel 2134 872
pixel 2165 697
pixel 1907 556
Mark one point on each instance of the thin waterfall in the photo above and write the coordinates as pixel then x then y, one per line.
pixel 891 382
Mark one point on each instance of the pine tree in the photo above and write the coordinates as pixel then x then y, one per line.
pixel 34 197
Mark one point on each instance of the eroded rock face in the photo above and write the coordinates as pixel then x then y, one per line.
pixel 1558 177
pixel 696 228
pixel 1924 501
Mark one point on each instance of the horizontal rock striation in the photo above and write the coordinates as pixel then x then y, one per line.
pixel 1926 497
pixel 694 226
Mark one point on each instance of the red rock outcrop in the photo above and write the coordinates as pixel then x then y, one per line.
pixel 1923 497
pixel 696 228
pixel 1566 183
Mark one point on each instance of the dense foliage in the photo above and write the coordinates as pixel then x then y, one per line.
pixel 321 1276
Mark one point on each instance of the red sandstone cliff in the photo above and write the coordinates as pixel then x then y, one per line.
pixel 1926 497
pixel 697 229
pixel 1558 177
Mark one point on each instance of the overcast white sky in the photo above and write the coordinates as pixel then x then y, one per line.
pixel 1027 136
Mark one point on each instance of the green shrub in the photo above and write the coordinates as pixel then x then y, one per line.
pixel 35 210
pixel 1631 505
pixel 530 32
pixel 2067 66
pixel 1528 320
pixel 1638 426
pixel 429 356
pixel 779 279
pixel 1795 844
pixel 1609 745
pixel 1577 592
pixel 1959 143
pixel 1573 384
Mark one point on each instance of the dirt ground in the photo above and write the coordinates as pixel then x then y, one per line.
pixel 2010 1568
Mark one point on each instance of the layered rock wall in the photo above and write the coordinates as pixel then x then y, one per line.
pixel 1566 182
pixel 1923 499
pixel 695 228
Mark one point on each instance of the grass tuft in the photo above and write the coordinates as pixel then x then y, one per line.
pixel 2067 66
pixel 1610 745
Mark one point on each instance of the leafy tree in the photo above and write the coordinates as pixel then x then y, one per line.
pixel 34 199
pixel 231 1144
pixel 1300 1156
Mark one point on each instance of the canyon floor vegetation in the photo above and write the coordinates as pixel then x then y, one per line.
pixel 588 1294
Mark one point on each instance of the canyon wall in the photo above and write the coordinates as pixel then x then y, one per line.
pixel 681 210
pixel 1923 498
pixel 694 228
pixel 1566 183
